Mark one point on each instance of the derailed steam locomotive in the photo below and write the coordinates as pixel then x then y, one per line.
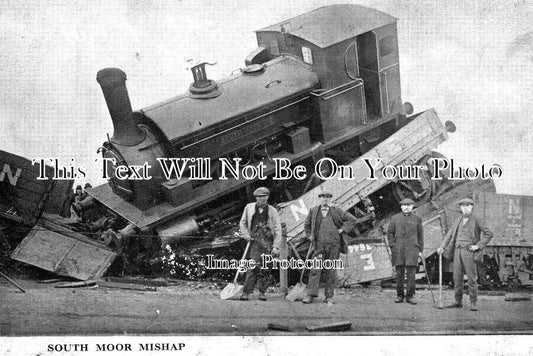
pixel 307 92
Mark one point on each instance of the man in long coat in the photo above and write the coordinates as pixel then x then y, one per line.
pixel 324 226
pixel 464 245
pixel 406 240
pixel 260 224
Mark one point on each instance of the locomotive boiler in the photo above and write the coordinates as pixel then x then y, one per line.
pixel 322 84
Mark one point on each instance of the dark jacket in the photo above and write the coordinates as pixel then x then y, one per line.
pixel 448 244
pixel 342 220
pixel 274 223
pixel 406 239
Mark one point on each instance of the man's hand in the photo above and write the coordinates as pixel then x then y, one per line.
pixel 275 252
pixel 440 250
pixel 473 248
pixel 340 231
pixel 420 254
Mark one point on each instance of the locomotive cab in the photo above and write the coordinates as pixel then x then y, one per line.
pixel 355 57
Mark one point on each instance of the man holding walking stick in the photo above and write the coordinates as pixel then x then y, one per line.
pixel 463 244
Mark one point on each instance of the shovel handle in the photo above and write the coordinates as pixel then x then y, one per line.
pixel 242 258
pixel 440 278
pixel 311 248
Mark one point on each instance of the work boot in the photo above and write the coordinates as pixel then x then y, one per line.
pixel 473 306
pixel 308 300
pixel 244 296
pixel 262 297
pixel 399 299
pixel 410 300
pixel 455 305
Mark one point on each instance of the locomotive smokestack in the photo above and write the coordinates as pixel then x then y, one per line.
pixel 113 84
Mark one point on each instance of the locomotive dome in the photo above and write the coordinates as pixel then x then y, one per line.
pixel 343 22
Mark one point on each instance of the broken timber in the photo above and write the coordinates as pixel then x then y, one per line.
pixel 338 326
pixel 64 252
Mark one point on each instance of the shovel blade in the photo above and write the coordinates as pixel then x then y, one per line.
pixel 231 291
pixel 296 293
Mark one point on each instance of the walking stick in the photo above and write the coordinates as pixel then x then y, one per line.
pixel 440 281
pixel 427 278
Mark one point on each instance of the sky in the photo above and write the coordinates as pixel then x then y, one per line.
pixel 470 60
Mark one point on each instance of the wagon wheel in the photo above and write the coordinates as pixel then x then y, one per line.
pixel 423 190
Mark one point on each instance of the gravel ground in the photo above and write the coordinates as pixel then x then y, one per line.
pixel 195 308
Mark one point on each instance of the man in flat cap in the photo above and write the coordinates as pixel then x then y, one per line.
pixel 260 224
pixel 463 244
pixel 406 240
pixel 324 227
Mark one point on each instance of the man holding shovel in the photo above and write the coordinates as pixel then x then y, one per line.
pixel 406 240
pixel 463 244
pixel 260 224
pixel 324 226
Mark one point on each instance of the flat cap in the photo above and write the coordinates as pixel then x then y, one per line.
pixel 325 194
pixel 261 192
pixel 78 187
pixel 466 201
pixel 407 201
pixel 88 185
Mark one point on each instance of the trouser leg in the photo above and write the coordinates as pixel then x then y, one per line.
pixel 251 275
pixel 314 276
pixel 458 275
pixel 471 274
pixel 263 279
pixel 400 272
pixel 411 272
pixel 331 274
pixel 482 274
pixel 249 281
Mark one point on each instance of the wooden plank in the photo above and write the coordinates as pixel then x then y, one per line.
pixel 90 282
pixel 64 255
pixel 144 282
pixel 126 286
pixel 337 326
pixel 278 327
pixel 49 225
pixel 517 297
